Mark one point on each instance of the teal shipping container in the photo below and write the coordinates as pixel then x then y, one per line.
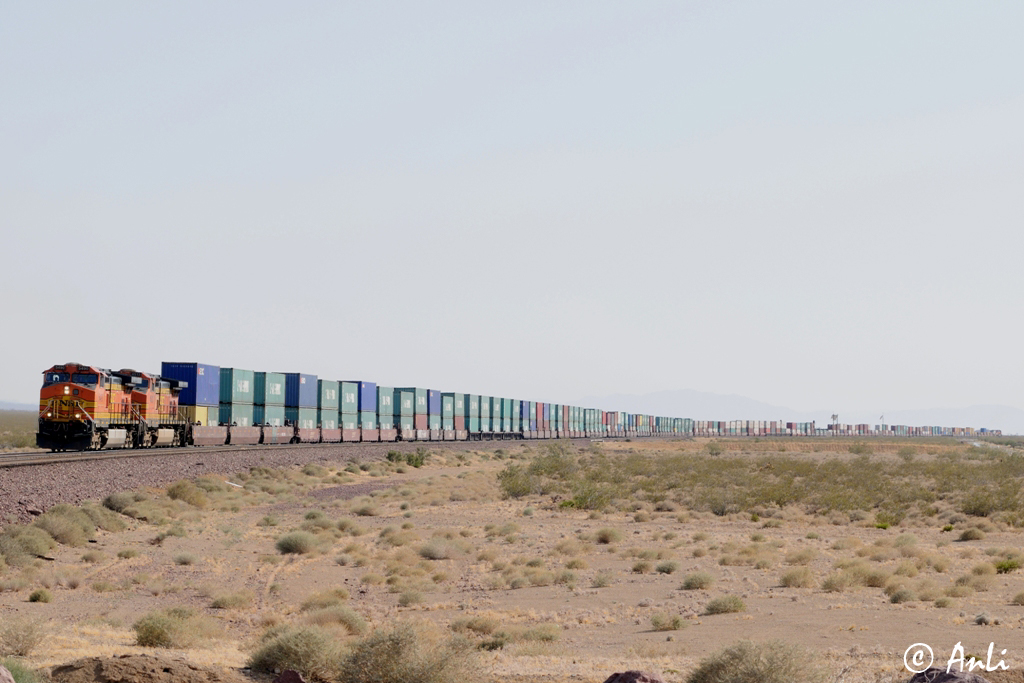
pixel 327 419
pixel 385 403
pixel 237 414
pixel 367 420
pixel 268 415
pixel 433 422
pixel 303 418
pixel 471 408
pixel 403 421
pixel 237 386
pixel 448 423
pixel 268 388
pixel 404 402
pixel 349 402
pixel 448 406
pixel 327 395
pixel 485 413
pixel 349 420
pixel 419 402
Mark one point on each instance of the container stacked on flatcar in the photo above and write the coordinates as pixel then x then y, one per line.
pixel 328 398
pixel 268 408
pixel 301 394
pixel 237 396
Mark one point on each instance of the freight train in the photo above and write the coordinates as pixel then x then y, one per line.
pixel 83 407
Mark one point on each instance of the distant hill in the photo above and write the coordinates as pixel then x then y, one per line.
pixel 7 405
pixel 701 405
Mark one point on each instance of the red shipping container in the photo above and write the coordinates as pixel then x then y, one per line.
pixel 420 422
pixel 460 423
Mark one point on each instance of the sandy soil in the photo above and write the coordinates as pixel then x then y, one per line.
pixel 507 559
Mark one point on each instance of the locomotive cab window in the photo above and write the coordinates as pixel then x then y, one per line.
pixel 84 378
pixel 55 378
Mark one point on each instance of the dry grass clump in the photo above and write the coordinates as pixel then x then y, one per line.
pixel 177 628
pixel 187 492
pixel 19 544
pixel 667 567
pixel 726 604
pixel 607 536
pixel 663 622
pixel 41 595
pixel 67 525
pixel 327 598
pixel 311 650
pixel 407 652
pixel 439 548
pixel 800 577
pixel 19 637
pixel 972 534
pixel 1018 599
pixel 698 581
pixel 338 615
pixel 801 557
pixel 748 662
pixel 185 559
pixel 296 543
pixel 237 600
pixel 19 671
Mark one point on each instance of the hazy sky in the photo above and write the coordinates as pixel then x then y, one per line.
pixel 812 204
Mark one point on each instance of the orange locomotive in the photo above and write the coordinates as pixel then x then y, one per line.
pixel 82 407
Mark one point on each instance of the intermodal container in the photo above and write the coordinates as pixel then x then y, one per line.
pixel 327 395
pixel 485 414
pixel 349 402
pixel 300 390
pixel 269 388
pixel 268 415
pixel 327 419
pixel 404 403
pixel 434 422
pixel 433 403
pixel 237 386
pixel 206 416
pixel 203 382
pixel 303 418
pixel 367 396
pixel 403 421
pixel 368 419
pixel 448 407
pixel 238 414
pixel 419 400
pixel 385 403
pixel 448 423
pixel 349 420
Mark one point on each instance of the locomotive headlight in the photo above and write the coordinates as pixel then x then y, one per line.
pixel 78 415
pixel 67 390
pixel 49 415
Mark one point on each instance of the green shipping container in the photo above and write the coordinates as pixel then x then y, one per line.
pixel 433 422
pixel 403 421
pixel 448 406
pixel 349 421
pixel 404 402
pixel 349 399
pixel 385 403
pixel 367 420
pixel 448 423
pixel 303 418
pixel 237 386
pixel 327 419
pixel 237 414
pixel 268 415
pixel 471 408
pixel 327 395
pixel 419 402
pixel 485 412
pixel 268 388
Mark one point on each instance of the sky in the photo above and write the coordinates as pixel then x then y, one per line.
pixel 811 204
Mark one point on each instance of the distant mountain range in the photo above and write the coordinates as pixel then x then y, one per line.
pixel 7 405
pixel 701 405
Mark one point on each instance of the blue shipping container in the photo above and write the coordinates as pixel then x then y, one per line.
pixel 367 397
pixel 300 391
pixel 203 382
pixel 433 402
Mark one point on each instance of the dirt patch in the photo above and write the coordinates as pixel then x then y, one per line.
pixel 140 669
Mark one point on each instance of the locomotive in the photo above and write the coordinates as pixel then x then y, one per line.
pixel 82 407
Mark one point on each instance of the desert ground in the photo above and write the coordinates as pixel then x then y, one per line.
pixel 535 561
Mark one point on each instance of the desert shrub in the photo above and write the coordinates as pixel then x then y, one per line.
pixel 185 559
pixel 410 598
pixel 40 595
pixel 19 637
pixel 1018 599
pixel 663 622
pixel 18 544
pixel 296 543
pixel 748 662
pixel 726 604
pixel 714 448
pixel 797 578
pixel 439 549
pixel 607 535
pixel 602 580
pixel 19 671
pixel 805 556
pixel 127 554
pixel 67 525
pixel 118 501
pixel 310 650
pixel 177 627
pixel 860 448
pixel 268 520
pixel 407 653
pixel 327 598
pixel 515 482
pixel 338 615
pixel 641 567
pixel 972 534
pixel 667 567
pixel 236 600
pixel 1008 565
pixel 366 511
pixel 481 625
pixel 187 492
pixel 698 581
pixel 901 595
pixel 104 518
pixel 93 556
pixel 943 603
